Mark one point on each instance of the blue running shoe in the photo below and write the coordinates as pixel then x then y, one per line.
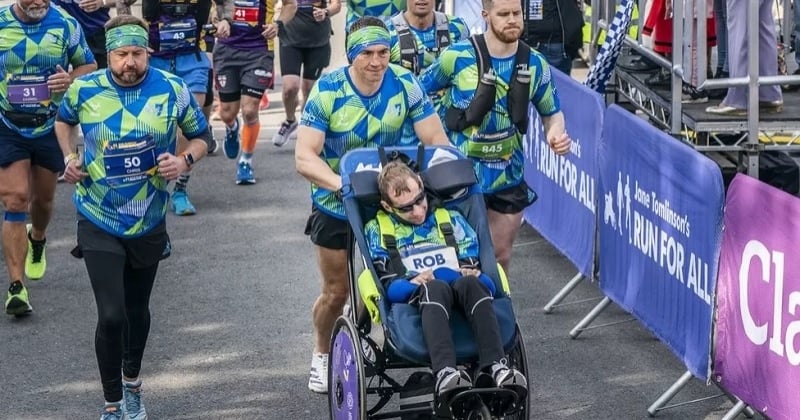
pixel 231 144
pixel 132 396
pixel 112 411
pixel 181 204
pixel 244 174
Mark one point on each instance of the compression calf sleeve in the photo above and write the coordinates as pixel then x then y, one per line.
pixel 249 137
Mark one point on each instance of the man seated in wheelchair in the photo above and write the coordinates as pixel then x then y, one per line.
pixel 439 276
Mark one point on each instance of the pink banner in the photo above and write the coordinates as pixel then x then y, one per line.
pixel 757 355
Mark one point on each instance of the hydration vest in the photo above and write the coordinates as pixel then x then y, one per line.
pixel 409 51
pixel 386 227
pixel 485 94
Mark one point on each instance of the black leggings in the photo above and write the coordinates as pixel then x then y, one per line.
pixel 436 301
pixel 122 294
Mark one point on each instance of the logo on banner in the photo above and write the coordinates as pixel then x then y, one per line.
pixel 653 227
pixel 620 220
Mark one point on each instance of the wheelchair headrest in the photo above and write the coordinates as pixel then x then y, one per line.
pixel 450 179
pixel 446 177
pixel 364 185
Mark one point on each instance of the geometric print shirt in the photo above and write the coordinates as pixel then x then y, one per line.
pixel 124 130
pixel 29 54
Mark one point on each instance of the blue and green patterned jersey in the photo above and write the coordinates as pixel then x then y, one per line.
pixel 418 239
pixel 427 53
pixel 124 130
pixel 495 146
pixel 29 54
pixel 426 40
pixel 380 8
pixel 351 120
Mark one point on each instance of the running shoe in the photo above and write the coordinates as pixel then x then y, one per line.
pixel 132 396
pixel 284 133
pixel 505 377
pixel 318 377
pixel 244 174
pixel 450 380
pixel 231 144
pixel 181 205
pixel 17 302
pixel 112 411
pixel 36 259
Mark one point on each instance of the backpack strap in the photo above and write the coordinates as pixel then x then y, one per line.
pixel 389 242
pixel 442 32
pixel 519 88
pixel 409 56
pixel 482 53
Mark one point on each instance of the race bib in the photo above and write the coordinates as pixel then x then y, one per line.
pixel 25 90
pixel 492 147
pixel 177 35
pixel 431 259
pixel 245 12
pixel 129 162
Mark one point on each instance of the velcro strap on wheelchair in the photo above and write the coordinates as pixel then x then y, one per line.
pixel 446 179
pixel 503 280
pixel 370 295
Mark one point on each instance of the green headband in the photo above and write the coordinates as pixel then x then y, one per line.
pixel 130 35
pixel 364 38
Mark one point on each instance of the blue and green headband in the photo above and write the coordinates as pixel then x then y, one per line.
pixel 126 36
pixel 368 36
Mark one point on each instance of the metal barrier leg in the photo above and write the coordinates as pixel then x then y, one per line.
pixel 567 289
pixel 737 409
pixel 575 332
pixel 670 393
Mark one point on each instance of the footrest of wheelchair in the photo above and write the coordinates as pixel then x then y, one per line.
pixel 500 401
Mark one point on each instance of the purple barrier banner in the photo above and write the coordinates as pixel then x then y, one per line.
pixel 565 211
pixel 659 233
pixel 757 356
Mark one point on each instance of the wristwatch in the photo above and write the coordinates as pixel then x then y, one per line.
pixel 188 158
pixel 69 158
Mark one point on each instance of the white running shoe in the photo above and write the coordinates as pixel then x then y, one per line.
pixel 318 377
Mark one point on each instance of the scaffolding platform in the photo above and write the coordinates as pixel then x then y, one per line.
pixel 779 131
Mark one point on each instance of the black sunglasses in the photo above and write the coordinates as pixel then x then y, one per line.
pixel 410 206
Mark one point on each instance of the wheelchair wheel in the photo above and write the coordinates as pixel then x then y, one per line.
pixel 518 358
pixel 346 391
pixel 481 413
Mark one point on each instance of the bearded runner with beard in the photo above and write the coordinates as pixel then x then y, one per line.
pixel 494 140
pixel 38 44
pixel 130 114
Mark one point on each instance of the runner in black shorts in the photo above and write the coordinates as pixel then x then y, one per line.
pixel 305 44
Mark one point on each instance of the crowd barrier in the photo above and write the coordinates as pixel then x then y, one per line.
pixel 649 211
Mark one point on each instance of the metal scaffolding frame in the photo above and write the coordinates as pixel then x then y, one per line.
pixel 702 134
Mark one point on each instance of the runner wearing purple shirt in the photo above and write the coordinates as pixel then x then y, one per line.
pixel 243 63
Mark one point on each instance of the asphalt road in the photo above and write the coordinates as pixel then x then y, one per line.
pixel 231 335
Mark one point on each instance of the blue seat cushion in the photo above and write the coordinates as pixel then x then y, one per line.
pixel 405 331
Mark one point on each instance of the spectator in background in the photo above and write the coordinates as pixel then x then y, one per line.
pixel 770 98
pixel 796 8
pixel 306 45
pixel 555 29
pixel 470 11
pixel 91 15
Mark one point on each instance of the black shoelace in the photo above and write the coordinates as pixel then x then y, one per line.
pixel 38 249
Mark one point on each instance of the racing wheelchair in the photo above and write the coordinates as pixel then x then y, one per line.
pixel 361 384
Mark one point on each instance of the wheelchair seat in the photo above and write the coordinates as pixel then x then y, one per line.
pixel 453 182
